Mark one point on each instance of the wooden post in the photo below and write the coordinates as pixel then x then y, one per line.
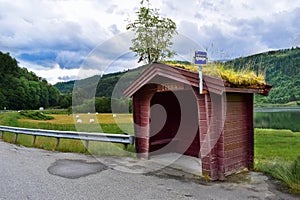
pixel 16 138
pixel 57 142
pixel 34 139
pixel 250 110
pixel 1 134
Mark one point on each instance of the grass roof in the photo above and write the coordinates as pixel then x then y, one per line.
pixel 244 79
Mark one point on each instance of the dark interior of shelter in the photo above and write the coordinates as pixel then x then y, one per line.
pixel 174 123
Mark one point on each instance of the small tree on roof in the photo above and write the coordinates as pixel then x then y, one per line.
pixel 153 35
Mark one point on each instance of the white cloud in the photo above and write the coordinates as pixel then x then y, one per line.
pixel 64 32
pixel 53 74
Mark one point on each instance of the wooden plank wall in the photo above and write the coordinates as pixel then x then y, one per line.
pixel 214 106
pixel 238 132
pixel 226 133
pixel 209 116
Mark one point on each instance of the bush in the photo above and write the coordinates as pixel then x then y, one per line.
pixel 36 115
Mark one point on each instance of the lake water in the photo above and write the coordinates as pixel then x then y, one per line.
pixel 277 118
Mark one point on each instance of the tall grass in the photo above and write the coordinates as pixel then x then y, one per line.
pixel 289 173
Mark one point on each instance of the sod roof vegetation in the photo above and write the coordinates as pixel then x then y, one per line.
pixel 241 79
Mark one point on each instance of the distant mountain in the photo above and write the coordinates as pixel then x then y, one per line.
pixel 65 87
pixel 281 68
pixel 100 86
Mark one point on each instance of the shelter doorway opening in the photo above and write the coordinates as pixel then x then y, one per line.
pixel 174 123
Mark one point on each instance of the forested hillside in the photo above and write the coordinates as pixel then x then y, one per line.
pixel 282 70
pixel 104 85
pixel 21 89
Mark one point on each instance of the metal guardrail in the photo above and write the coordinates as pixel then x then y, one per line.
pixel 86 136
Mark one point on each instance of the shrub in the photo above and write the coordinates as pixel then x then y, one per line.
pixel 36 115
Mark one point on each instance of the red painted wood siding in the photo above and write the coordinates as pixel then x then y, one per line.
pixel 141 114
pixel 238 132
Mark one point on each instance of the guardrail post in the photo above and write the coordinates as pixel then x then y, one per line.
pixel 16 138
pixel 1 134
pixel 33 140
pixel 86 144
pixel 57 142
pixel 125 145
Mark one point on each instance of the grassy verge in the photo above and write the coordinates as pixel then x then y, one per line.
pixel 69 145
pixel 277 153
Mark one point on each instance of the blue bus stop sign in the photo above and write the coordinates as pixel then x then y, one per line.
pixel 200 57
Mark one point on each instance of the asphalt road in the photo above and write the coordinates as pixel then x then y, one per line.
pixel 27 173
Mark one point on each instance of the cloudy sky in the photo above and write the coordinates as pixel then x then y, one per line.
pixel 65 39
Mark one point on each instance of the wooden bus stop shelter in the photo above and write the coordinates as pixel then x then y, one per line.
pixel 170 115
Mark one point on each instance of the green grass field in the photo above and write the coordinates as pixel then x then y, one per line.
pixel 277 152
pixel 281 145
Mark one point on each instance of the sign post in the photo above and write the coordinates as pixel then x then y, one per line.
pixel 200 60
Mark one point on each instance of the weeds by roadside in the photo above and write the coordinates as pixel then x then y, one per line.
pixel 288 173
